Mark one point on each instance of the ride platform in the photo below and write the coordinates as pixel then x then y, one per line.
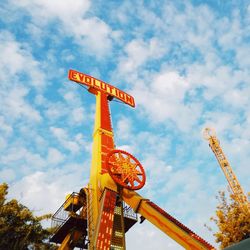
pixel 70 217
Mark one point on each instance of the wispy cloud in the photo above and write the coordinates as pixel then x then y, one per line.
pixel 17 61
pixel 73 20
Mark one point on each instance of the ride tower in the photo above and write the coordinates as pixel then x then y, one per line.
pixel 108 206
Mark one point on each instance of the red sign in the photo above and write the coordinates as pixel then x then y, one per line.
pixel 101 86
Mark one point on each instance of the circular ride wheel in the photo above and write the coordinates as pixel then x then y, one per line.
pixel 125 169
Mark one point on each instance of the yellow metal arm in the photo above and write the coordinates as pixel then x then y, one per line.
pixel 165 222
pixel 68 242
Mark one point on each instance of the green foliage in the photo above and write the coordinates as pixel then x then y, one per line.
pixel 19 228
pixel 233 221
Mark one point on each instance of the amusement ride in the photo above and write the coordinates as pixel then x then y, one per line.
pixel 99 215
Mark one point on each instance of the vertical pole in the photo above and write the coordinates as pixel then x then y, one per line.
pixel 103 142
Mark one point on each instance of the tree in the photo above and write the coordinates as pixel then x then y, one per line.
pixel 232 220
pixel 19 228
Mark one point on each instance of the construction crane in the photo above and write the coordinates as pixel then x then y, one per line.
pixel 98 217
pixel 210 135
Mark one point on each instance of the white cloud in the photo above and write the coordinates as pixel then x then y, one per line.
pixel 17 59
pixel 54 156
pixel 236 97
pixel 55 110
pixel 170 84
pixel 191 29
pixel 3 143
pixel 150 237
pixel 231 33
pixel 15 155
pixel 164 98
pixel 44 192
pixel 219 120
pixel 63 137
pixel 7 175
pixel 127 148
pixel 59 133
pixel 82 30
pixel 138 52
pixel 46 9
pixel 77 115
pixel 14 102
pixel 5 127
pixel 241 56
pixel 123 130
pixel 73 20
pixel 13 56
pixel 72 107
pixel 35 32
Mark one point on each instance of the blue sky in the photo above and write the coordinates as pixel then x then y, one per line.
pixel 187 66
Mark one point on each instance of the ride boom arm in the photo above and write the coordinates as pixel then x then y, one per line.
pixel 165 222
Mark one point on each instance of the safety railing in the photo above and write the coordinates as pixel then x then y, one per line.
pixel 69 208
pixel 129 212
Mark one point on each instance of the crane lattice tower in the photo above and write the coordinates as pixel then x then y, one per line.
pixel 210 135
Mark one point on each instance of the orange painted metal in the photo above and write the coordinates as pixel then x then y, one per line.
pixel 165 222
pixel 105 113
pixel 181 226
pixel 104 233
pixel 125 169
pixel 107 136
pixel 101 86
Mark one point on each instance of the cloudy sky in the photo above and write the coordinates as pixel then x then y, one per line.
pixel 187 66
